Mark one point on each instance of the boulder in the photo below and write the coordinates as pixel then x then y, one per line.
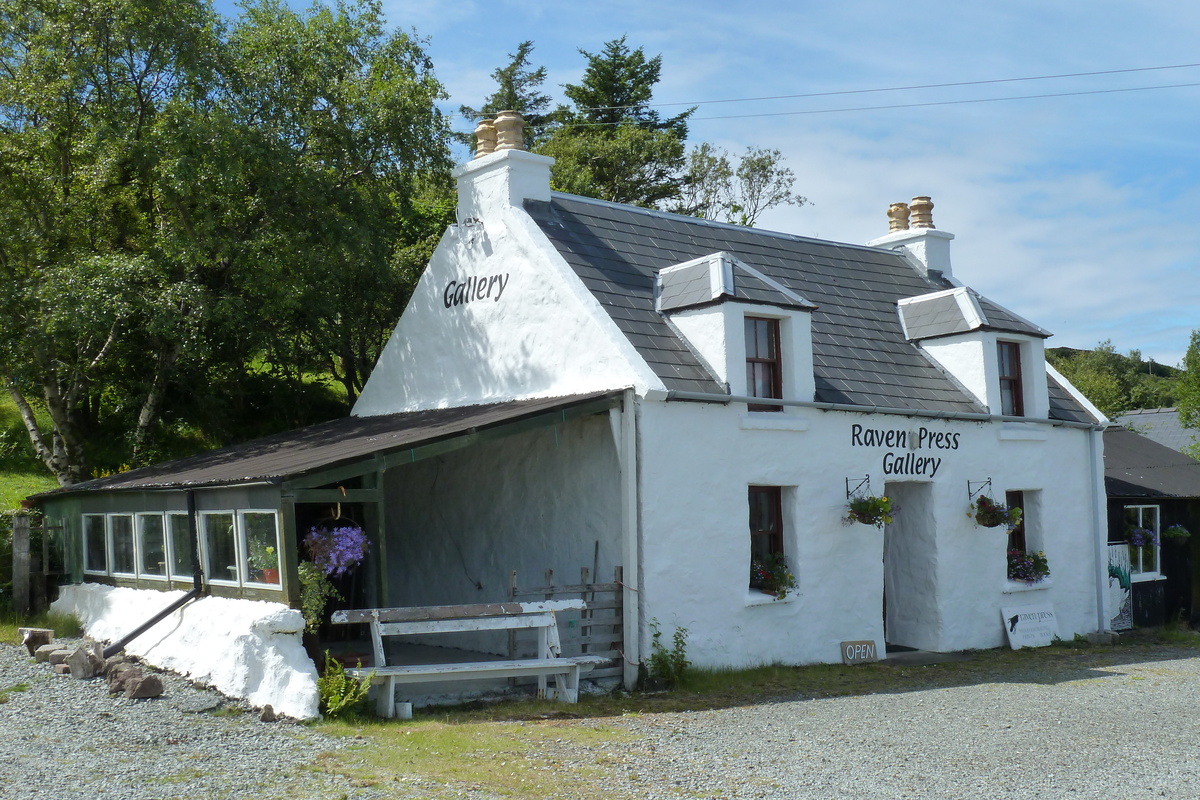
pixel 84 664
pixel 33 638
pixel 119 677
pixel 146 686
pixel 62 669
pixel 268 714
pixel 59 656
pixel 43 652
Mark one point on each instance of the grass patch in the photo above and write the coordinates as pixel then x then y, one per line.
pixel 16 687
pixel 534 760
pixel 66 626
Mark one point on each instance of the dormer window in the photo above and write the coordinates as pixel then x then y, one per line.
pixel 1012 392
pixel 764 364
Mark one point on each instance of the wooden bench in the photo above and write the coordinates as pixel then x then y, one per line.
pixel 412 621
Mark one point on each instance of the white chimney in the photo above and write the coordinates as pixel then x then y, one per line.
pixel 929 247
pixel 504 176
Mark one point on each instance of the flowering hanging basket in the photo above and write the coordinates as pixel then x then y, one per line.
pixel 1141 537
pixel 869 510
pixel 990 514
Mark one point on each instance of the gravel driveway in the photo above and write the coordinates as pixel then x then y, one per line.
pixel 1131 730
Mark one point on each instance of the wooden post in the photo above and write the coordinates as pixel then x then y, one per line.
pixel 20 576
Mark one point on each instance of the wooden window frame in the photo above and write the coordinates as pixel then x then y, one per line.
pixel 772 363
pixel 1016 536
pixel 774 534
pixel 1011 381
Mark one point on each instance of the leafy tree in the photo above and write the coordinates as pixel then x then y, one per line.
pixel 517 89
pixel 713 189
pixel 182 209
pixel 1189 386
pixel 1114 383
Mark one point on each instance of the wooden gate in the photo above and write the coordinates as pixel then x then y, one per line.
pixel 598 630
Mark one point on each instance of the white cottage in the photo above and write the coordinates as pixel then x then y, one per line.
pixel 581 383
pixel 767 378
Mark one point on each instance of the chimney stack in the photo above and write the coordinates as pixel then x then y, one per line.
pixel 926 245
pixel 502 174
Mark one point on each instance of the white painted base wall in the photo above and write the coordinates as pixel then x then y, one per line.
pixel 947 576
pixel 248 649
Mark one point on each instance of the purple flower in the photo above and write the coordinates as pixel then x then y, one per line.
pixel 336 551
pixel 1141 537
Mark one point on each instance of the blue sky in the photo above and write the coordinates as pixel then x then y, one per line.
pixel 1079 212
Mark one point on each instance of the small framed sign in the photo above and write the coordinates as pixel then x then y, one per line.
pixel 860 652
pixel 1029 626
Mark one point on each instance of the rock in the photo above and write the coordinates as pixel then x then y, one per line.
pixel 145 686
pixel 43 652
pixel 84 664
pixel 59 656
pixel 268 714
pixel 113 662
pixel 33 638
pixel 119 677
pixel 62 669
pixel 1104 637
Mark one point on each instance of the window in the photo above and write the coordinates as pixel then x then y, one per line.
pixel 121 528
pixel 769 571
pixel 181 546
pixel 1012 393
pixel 220 547
pixel 152 546
pixel 262 544
pixel 1016 536
pixel 1143 559
pixel 764 365
pixel 95 544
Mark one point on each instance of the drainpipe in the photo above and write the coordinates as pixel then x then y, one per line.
pixel 1099 525
pixel 197 589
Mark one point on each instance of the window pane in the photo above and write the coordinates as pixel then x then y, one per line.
pixel 263 546
pixel 153 544
pixel 220 549
pixel 181 546
pixel 94 549
pixel 122 543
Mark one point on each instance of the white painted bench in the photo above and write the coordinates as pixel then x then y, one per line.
pixel 411 621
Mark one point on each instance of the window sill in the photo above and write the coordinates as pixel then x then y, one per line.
pixel 772 421
pixel 1147 577
pixel 1013 587
pixel 756 598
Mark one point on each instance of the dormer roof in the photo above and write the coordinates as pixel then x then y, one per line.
pixel 718 277
pixel 960 310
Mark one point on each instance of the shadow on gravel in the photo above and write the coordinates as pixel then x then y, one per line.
pixel 705 690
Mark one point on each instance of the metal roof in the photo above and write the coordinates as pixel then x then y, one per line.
pixel 289 455
pixel 1161 425
pixel 860 354
pixel 1135 466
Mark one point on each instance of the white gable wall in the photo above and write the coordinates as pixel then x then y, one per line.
pixel 498 315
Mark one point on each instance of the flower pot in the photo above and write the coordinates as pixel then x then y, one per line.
pixel 988 519
pixel 270 575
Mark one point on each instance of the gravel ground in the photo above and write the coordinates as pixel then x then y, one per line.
pixel 1129 730
pixel 69 738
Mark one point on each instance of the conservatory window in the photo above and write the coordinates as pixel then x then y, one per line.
pixel 122 549
pixel 261 543
pixel 152 546
pixel 220 547
pixel 181 546
pixel 95 544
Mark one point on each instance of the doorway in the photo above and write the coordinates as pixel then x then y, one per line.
pixel 911 618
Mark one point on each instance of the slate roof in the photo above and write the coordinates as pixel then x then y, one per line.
pixel 1135 466
pixel 317 447
pixel 1160 425
pixel 860 354
pixel 943 314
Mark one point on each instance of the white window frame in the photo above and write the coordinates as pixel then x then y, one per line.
pixel 137 542
pixel 84 539
pixel 244 547
pixel 1136 573
pixel 112 549
pixel 206 556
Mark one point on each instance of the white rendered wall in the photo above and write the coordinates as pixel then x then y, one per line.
pixel 247 649
pixel 697 461
pixel 498 314
pixel 972 359
pixel 459 523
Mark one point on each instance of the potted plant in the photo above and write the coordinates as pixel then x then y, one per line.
pixel 772 576
pixel 1141 537
pixel 1176 533
pixel 264 561
pixel 870 510
pixel 1027 567
pixel 333 550
pixel 990 514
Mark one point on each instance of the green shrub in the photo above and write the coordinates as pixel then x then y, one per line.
pixel 665 664
pixel 340 693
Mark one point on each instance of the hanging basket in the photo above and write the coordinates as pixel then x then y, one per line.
pixel 990 514
pixel 870 510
